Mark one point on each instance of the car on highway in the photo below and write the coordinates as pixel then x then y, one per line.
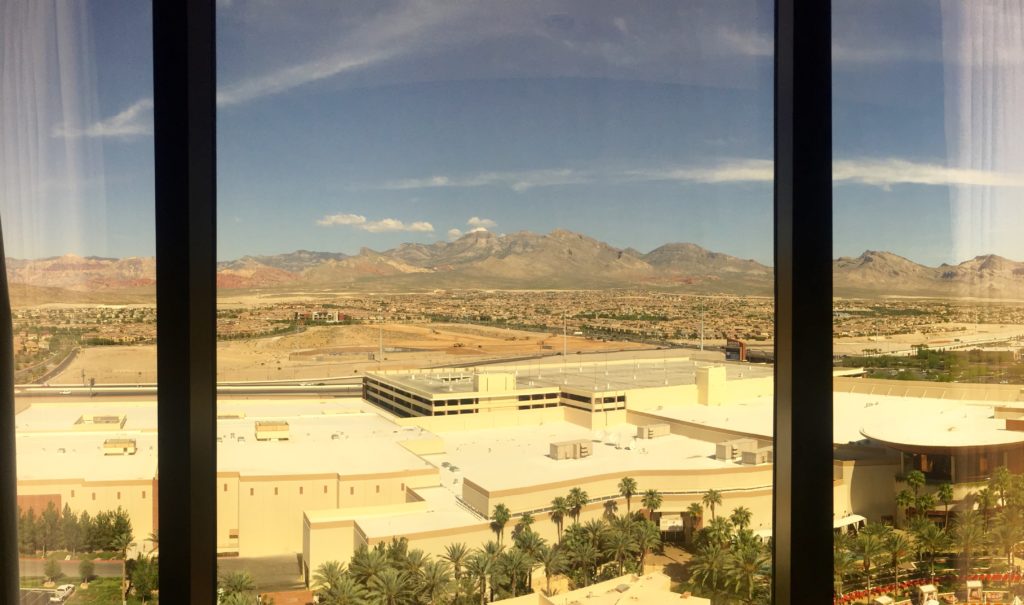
pixel 62 592
pixel 66 392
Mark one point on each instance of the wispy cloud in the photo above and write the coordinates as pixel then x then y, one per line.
pixel 135 121
pixel 877 172
pixel 893 171
pixel 478 222
pixel 378 226
pixel 517 181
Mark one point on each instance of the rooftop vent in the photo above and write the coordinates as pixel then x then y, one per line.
pixel 271 430
pixel 119 447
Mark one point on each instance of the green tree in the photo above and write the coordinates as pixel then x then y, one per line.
pixel 456 555
pixel 708 565
pixel 391 587
pixel 740 517
pixel 499 518
pixel 843 564
pixel 905 501
pixel 648 538
pixel 51 569
pixel 867 547
pixel 516 564
pixel 436 581
pixel 1006 532
pixel 969 534
pixel 328 575
pixel 711 499
pixel 999 483
pixel 696 514
pixel 145 577
pixel 985 503
pixel 367 564
pixel 577 499
pixel 651 501
pixel 915 480
pixel 899 546
pixel 551 560
pixel 559 509
pixel 627 489
pixel 236 582
pixel 85 570
pixel 70 531
pixel 346 592
pixel 945 495
pixel 48 529
pixel 480 566
pixel 932 540
pixel 619 546
pixel 747 568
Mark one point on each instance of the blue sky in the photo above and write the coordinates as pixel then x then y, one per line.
pixel 372 123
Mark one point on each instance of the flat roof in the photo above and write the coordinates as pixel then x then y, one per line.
pixel 591 376
pixel 326 436
pixel 443 512
pixel 512 457
pixel 908 421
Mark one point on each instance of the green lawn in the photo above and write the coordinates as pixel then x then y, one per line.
pixel 102 591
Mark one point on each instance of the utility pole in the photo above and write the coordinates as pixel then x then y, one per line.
pixel 565 338
pixel 702 324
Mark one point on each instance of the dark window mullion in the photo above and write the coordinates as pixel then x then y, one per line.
pixel 184 119
pixel 802 527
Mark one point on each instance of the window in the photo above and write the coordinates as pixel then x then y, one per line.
pixel 172 567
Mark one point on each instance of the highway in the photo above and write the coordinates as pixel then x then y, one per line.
pixel 338 387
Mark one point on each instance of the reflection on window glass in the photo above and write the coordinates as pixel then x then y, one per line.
pixel 76 198
pixel 495 300
pixel 929 443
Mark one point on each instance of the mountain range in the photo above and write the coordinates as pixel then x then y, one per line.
pixel 525 260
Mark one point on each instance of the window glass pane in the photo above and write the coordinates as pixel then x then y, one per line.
pixel 495 279
pixel 927 324
pixel 76 175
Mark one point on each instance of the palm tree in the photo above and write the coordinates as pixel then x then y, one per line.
pixel 696 513
pixel 1007 532
pixel 559 509
pixel 595 530
pixel 391 587
pixel 867 546
pixel 651 501
pixel 969 534
pixel 480 566
pixel 525 522
pixel 530 543
pixel 499 518
pixel 456 555
pixel 985 503
pixel 584 556
pixel 945 495
pixel 577 499
pixel 843 564
pixel 121 543
pixel 237 582
pixel 904 501
pixel 708 564
pixel 346 592
pixel 367 564
pixel 648 538
pixel 620 545
pixel 899 546
pixel 154 539
pixel 516 564
pixel 999 483
pixel 711 499
pixel 627 489
pixel 719 530
pixel 740 517
pixel 932 540
pixel 328 575
pixel 436 582
pixel 746 568
pixel 551 559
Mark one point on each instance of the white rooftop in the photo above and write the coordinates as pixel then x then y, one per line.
pixel 511 457
pixel 443 512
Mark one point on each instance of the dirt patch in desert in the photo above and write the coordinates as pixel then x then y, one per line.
pixel 342 350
